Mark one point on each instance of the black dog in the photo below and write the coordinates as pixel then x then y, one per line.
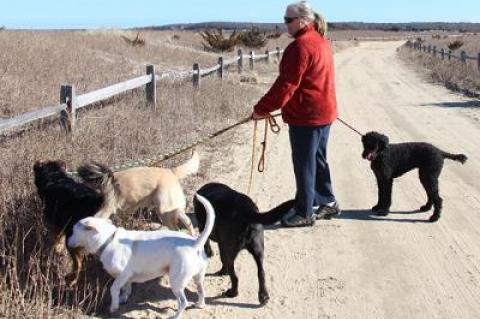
pixel 65 202
pixel 238 225
pixel 390 161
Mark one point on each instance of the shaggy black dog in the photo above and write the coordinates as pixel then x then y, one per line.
pixel 390 161
pixel 65 202
pixel 238 225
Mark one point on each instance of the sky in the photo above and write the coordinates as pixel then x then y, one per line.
pixel 71 14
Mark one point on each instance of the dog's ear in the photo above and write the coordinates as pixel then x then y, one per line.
pixel 382 141
pixel 37 164
pixel 89 225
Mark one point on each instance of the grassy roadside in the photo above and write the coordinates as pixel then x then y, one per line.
pixel 453 74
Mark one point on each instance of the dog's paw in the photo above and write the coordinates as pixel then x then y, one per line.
pixel 375 208
pixel 230 293
pixel 381 212
pixel 263 298
pixel 434 218
pixel 425 208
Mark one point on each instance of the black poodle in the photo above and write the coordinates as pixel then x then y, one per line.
pixel 65 202
pixel 390 161
pixel 238 225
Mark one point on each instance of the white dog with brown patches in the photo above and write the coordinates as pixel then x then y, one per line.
pixel 138 256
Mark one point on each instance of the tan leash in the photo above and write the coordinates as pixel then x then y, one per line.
pixel 271 123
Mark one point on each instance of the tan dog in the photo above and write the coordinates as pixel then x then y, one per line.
pixel 151 187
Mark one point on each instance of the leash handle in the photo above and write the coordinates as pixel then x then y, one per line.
pixel 261 161
pixel 249 187
pixel 273 124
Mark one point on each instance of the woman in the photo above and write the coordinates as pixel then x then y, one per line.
pixel 305 92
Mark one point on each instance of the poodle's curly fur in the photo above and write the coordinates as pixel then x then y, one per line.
pixel 389 161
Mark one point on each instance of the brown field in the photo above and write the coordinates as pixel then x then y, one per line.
pixel 464 77
pixel 35 64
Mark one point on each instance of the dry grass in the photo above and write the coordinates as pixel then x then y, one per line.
pixel 35 64
pixel 464 77
pixel 115 134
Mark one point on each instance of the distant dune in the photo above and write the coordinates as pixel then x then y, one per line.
pixel 412 26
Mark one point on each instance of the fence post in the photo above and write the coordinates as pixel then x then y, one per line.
pixel 463 57
pixel 268 56
pixel 68 116
pixel 196 75
pixel 240 60
pixel 151 87
pixel 442 53
pixel 252 59
pixel 220 69
pixel 434 50
pixel 278 53
pixel 449 55
pixel 478 62
pixel 429 48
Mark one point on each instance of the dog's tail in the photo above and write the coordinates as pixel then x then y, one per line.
pixel 101 178
pixel 272 216
pixel 462 158
pixel 189 167
pixel 203 237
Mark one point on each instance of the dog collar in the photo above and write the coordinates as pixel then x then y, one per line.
pixel 105 244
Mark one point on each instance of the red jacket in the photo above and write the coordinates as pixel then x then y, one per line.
pixel 305 87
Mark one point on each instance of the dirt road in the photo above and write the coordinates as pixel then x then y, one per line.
pixel 359 265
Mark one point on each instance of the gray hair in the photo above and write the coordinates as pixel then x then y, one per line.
pixel 304 10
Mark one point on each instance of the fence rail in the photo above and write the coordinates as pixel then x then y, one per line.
pixel 445 54
pixel 70 103
pixel 32 116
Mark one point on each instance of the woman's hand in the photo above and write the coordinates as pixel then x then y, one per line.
pixel 256 116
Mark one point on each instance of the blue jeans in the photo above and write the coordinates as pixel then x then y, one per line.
pixel 312 174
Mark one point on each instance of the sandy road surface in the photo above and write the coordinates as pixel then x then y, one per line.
pixel 359 265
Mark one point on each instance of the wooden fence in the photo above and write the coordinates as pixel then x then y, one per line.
pixel 70 102
pixel 444 54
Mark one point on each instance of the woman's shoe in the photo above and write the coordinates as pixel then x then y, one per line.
pixel 298 221
pixel 327 212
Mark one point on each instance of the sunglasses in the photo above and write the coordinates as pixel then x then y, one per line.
pixel 289 19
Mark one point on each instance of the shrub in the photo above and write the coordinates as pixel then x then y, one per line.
pixel 457 44
pixel 137 42
pixel 217 42
pixel 255 38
